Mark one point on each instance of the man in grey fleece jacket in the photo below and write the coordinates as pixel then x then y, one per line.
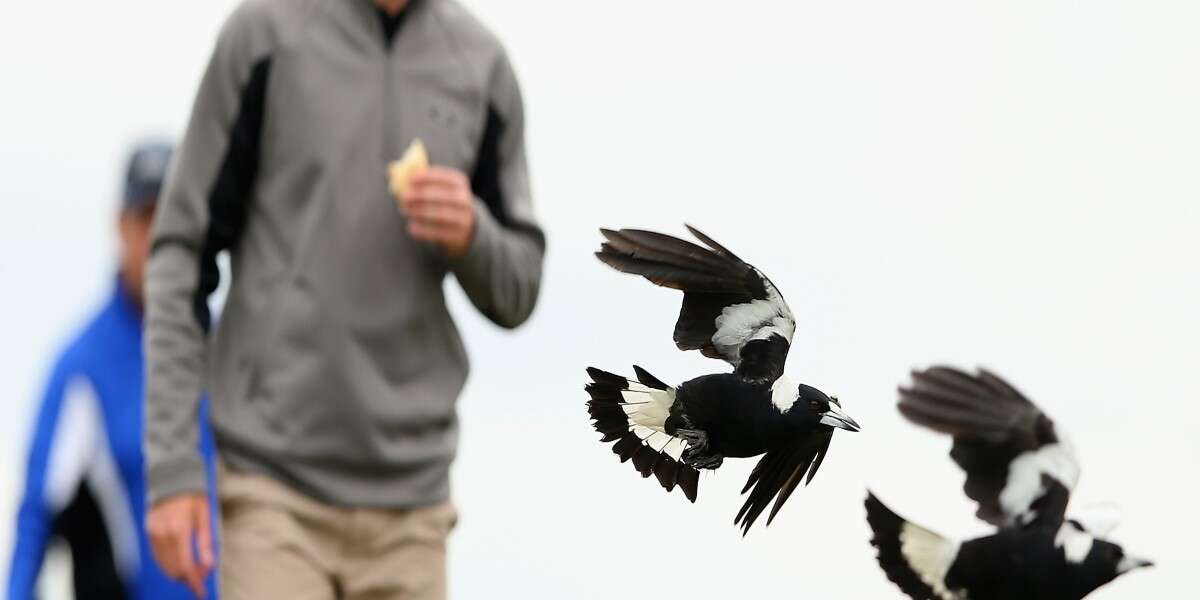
pixel 335 367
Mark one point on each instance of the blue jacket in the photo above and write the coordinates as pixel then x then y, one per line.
pixel 84 476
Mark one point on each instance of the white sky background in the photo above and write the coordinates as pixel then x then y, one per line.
pixel 1008 184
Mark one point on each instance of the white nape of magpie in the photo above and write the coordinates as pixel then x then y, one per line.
pixel 1020 471
pixel 730 311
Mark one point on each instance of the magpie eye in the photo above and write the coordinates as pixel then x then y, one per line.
pixel 814 404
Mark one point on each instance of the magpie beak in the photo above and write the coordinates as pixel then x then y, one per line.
pixel 1130 563
pixel 834 417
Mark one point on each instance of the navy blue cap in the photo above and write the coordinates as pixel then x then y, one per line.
pixel 148 164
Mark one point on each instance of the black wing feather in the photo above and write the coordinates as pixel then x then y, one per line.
pixel 663 248
pixel 719 249
pixel 666 275
pixel 779 473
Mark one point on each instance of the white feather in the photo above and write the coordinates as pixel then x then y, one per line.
pixel 1075 544
pixel 754 320
pixel 647 406
pixel 647 410
pixel 673 447
pixel 784 393
pixel 930 556
pixel 1024 483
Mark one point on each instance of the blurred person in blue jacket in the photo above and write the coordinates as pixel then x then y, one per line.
pixel 85 481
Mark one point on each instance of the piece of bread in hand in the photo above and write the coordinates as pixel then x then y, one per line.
pixel 415 159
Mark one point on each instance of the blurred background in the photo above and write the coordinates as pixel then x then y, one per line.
pixel 1012 185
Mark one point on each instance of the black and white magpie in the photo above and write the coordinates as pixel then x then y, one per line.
pixel 1020 470
pixel 732 312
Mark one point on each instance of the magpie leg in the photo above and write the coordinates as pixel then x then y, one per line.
pixel 703 461
pixel 697 454
pixel 697 440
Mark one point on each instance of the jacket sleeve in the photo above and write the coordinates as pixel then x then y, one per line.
pixel 201 212
pixel 501 271
pixel 61 447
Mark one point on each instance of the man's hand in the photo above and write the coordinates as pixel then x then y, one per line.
pixel 172 525
pixel 440 207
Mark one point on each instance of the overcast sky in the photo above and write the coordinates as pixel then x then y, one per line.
pixel 1008 184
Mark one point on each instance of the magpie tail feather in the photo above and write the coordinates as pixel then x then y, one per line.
pixel 632 414
pixel 914 558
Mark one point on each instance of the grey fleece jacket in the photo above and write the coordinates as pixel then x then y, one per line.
pixel 335 365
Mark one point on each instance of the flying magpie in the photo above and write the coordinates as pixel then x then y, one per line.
pixel 731 311
pixel 1020 470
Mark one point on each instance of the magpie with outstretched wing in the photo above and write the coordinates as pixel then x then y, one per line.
pixel 731 311
pixel 1020 471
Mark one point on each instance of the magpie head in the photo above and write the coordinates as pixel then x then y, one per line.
pixel 827 410
pixel 1104 561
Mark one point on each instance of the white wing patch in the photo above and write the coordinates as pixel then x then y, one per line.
pixel 930 556
pixel 647 407
pixel 1075 544
pixel 784 393
pixel 754 320
pixel 1024 483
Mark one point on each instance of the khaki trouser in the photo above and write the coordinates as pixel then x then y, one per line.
pixel 277 543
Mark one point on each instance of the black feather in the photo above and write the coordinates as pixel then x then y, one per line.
pixel 812 471
pixel 762 361
pixel 777 475
pixel 663 248
pixel 722 250
pixel 643 460
pixel 648 380
pixel 665 470
pixel 606 378
pixel 668 275
pixel 688 479
pixel 627 446
pixel 610 436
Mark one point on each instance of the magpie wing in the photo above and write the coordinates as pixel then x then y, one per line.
pixel 778 473
pixel 730 311
pixel 1020 470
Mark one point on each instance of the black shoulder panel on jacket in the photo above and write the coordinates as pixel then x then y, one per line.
pixel 227 201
